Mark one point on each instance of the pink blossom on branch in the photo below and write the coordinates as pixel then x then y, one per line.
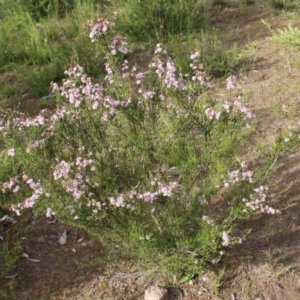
pixel 232 84
pixel 98 28
pixel 211 114
pixel 225 239
pixel 11 152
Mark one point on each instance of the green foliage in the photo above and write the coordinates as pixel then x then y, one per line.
pixel 44 8
pixel 41 9
pixel 217 61
pixel 7 89
pixel 39 78
pixel 10 253
pixel 175 285
pixel 284 4
pixel 20 40
pixel 39 52
pixel 219 2
pixel 289 36
pixel 148 19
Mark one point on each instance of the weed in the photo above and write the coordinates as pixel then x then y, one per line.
pixel 8 90
pixel 289 36
pixel 175 284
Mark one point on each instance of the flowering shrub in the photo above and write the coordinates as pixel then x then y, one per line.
pixel 134 160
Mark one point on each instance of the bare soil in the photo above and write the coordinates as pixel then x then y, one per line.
pixel 265 266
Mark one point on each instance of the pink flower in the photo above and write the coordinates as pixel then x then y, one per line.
pixel 49 212
pixel 11 152
pixel 158 49
pixel 95 105
pixel 16 189
pixel 210 113
pixel 61 170
pixel 194 55
pixel 123 49
pixel 149 95
pixel 231 80
pixel 225 238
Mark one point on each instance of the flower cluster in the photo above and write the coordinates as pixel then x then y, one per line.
pixel 60 112
pixel 237 105
pixel 50 212
pixel 120 202
pixel 11 152
pixel 208 220
pixel 29 202
pixel 170 76
pixel 199 74
pixel 225 239
pixel 35 144
pixel 242 108
pixel 257 201
pixel 61 170
pixel 148 197
pixel 161 190
pixel 99 28
pixel 212 114
pixel 232 84
pixel 159 49
pixel 79 90
pixel 166 70
pixel 75 186
pixel 118 44
pixel 95 205
pixel 239 175
pixel 12 185
pixel 20 120
pixel 2 123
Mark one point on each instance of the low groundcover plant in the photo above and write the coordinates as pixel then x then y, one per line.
pixel 134 160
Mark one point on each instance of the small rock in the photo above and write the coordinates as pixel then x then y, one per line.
pixel 63 238
pixel 173 172
pixel 41 239
pixel 154 292
pixel 191 282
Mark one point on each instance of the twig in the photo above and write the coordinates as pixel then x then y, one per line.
pixel 32 251
pixel 76 234
pixel 121 275
pixel 293 221
pixel 272 165
pixel 152 214
pixel 233 296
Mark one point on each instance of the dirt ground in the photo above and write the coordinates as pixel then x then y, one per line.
pixel 266 266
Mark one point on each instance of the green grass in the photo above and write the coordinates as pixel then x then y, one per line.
pixel 217 61
pixel 145 20
pixel 284 4
pixel 39 52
